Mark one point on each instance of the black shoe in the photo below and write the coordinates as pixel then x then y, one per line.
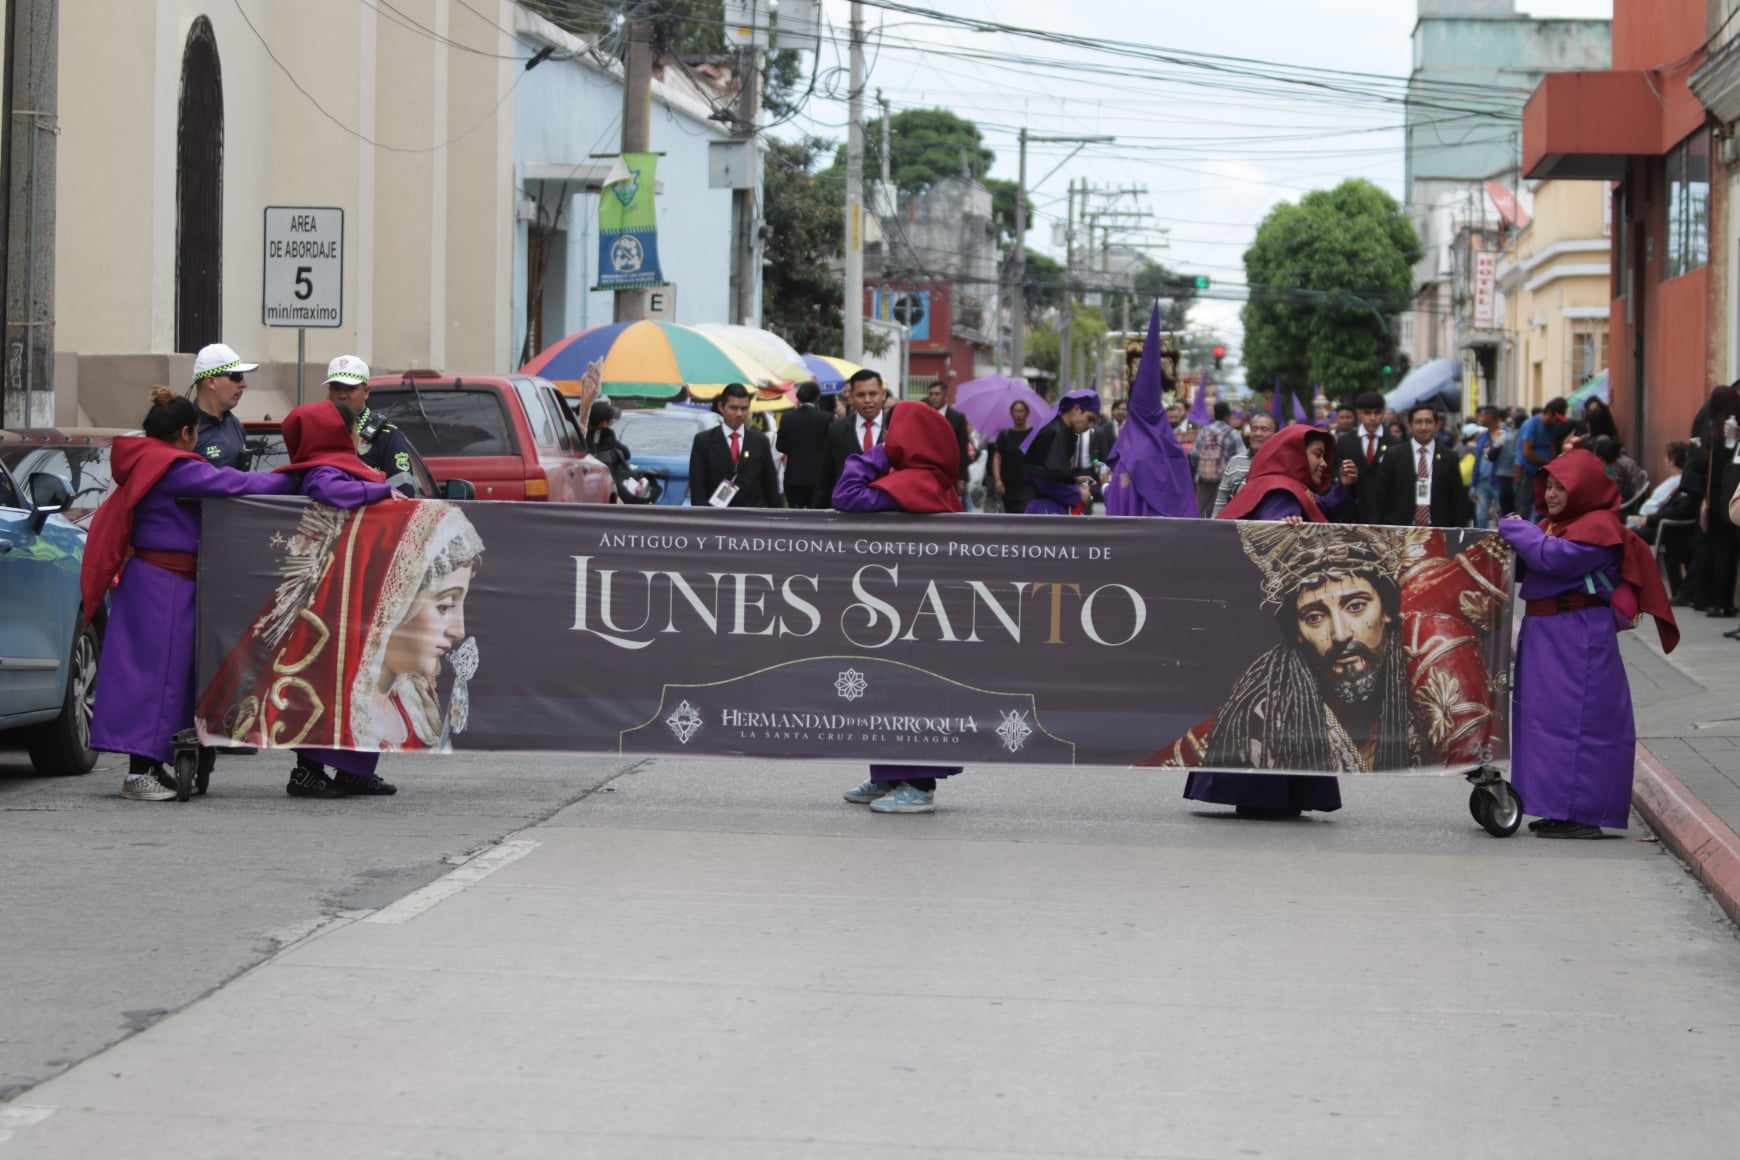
pixel 1723 613
pixel 1540 824
pixel 1266 814
pixel 1569 830
pixel 310 782
pixel 363 785
pixel 1732 634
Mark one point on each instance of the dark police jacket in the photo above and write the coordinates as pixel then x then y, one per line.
pixel 384 447
pixel 222 442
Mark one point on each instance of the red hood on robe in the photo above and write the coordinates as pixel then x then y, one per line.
pixel 137 464
pixel 924 459
pixel 1282 465
pixel 315 434
pixel 1591 516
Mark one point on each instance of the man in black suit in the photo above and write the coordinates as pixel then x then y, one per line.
pixel 733 453
pixel 1420 483
pixel 860 430
pixel 1365 446
pixel 937 395
pixel 803 437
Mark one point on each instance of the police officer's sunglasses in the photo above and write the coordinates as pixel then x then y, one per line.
pixel 236 377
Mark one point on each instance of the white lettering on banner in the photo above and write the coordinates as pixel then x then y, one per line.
pixel 759 604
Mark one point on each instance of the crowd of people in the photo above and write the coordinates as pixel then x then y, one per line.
pixel 1576 509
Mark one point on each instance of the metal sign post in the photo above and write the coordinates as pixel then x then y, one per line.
pixel 302 273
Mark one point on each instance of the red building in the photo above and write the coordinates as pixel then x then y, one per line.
pixel 1640 126
pixel 941 341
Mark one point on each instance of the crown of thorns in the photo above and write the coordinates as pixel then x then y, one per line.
pixel 1290 557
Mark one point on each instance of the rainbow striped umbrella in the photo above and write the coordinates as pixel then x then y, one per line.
pixel 763 347
pixel 830 373
pixel 647 360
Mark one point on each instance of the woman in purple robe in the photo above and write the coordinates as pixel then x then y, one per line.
pixel 324 462
pixel 913 470
pixel 1284 484
pixel 146 536
pixel 1585 577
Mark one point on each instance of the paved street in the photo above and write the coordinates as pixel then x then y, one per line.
pixel 720 959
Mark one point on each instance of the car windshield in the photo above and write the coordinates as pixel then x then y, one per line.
pixel 656 434
pixel 449 422
pixel 84 468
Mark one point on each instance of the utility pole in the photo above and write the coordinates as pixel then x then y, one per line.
pixel 1018 292
pixel 854 304
pixel 744 249
pixel 27 180
pixel 1064 368
pixel 636 132
pixel 887 143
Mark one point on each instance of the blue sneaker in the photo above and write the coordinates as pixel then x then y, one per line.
pixel 866 792
pixel 907 799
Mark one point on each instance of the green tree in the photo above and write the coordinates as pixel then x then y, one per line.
pixel 1327 277
pixel 1153 281
pixel 1043 286
pixel 804 231
pixel 1087 333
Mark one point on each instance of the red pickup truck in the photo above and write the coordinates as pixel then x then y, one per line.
pixel 512 436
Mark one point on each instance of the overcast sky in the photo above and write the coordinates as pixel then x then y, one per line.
pixel 1210 190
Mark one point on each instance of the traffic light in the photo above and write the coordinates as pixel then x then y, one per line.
pixel 1219 353
pixel 1202 282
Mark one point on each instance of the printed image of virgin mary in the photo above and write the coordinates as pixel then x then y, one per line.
pixel 366 626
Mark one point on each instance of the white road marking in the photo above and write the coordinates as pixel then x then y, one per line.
pixel 451 883
pixel 18 1116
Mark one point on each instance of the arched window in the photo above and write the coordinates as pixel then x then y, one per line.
pixel 199 193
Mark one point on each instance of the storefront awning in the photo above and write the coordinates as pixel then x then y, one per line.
pixel 1588 125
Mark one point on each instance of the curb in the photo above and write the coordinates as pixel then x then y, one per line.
pixel 1703 841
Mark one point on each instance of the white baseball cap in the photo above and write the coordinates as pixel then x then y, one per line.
pixel 347 370
pixel 218 359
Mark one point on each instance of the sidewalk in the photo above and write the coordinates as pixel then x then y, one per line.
pixel 1688 752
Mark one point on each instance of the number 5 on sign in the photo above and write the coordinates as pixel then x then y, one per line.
pixel 302 267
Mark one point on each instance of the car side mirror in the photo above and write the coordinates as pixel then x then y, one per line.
pixel 458 489
pixel 48 494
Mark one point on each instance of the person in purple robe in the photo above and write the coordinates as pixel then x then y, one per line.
pixel 1060 483
pixel 1150 472
pixel 1585 577
pixel 324 462
pixel 147 537
pixel 912 470
pixel 1287 482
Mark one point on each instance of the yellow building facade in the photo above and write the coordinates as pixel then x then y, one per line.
pixel 1556 283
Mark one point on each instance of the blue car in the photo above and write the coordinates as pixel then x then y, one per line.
pixel 48 660
pixel 659 441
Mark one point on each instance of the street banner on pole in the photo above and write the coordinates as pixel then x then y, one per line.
pixel 430 625
pixel 628 231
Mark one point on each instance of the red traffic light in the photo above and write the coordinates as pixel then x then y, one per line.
pixel 1220 352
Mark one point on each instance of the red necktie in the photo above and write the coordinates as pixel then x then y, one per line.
pixel 1422 512
pixel 869 436
pixel 1370 448
pixel 734 445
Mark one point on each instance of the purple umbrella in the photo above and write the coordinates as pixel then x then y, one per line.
pixel 985 402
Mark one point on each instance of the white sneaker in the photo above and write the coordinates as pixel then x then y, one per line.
pixel 908 799
pixel 867 792
pixel 145 787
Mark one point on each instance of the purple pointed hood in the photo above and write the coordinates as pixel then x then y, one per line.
pixel 1200 415
pixel 1150 471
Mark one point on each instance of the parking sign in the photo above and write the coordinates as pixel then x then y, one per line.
pixel 302 280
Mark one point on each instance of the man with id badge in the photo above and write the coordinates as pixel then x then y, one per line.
pixel 1421 483
pixel 732 465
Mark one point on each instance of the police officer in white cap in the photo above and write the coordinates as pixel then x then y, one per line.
pixel 381 444
pixel 219 378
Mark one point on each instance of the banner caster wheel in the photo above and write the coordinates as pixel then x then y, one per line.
pixel 1478 801
pixel 202 782
pixel 1501 813
pixel 186 773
